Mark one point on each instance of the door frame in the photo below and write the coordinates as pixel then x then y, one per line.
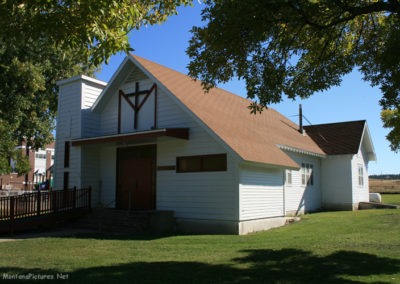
pixel 132 153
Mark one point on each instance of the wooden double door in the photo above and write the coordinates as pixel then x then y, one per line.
pixel 136 171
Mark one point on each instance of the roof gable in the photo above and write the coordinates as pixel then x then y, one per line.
pixel 366 142
pixel 253 137
pixel 342 138
pixel 122 75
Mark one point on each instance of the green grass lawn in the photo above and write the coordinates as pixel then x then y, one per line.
pixel 338 247
pixel 391 199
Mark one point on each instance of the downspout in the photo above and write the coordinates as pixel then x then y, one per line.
pixel 284 191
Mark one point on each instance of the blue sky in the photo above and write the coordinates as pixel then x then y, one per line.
pixel 354 99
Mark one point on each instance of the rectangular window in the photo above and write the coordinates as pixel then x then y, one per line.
pixel 310 174
pixel 205 163
pixel 289 177
pixel 66 154
pixel 40 156
pixel 360 175
pixel 307 177
pixel 13 165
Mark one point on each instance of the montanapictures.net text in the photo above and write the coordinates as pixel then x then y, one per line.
pixel 33 276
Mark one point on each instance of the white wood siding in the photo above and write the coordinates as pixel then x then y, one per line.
pixel 360 192
pixel 107 178
pixel 68 127
pixel 127 117
pixel 99 168
pixel 90 93
pixel 261 192
pixel 206 195
pixel 336 182
pixel 90 172
pixel 75 167
pixel 197 195
pixel 90 120
pixel 69 111
pixel 74 120
pixel 301 198
pixel 109 116
pixel 58 167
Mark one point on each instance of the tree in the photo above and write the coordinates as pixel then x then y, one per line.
pixel 295 48
pixel 8 152
pixel 391 118
pixel 44 41
pixel 28 95
pixel 95 28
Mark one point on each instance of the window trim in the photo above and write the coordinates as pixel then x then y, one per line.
pixel 202 158
pixel 307 174
pixel 289 173
pixel 360 175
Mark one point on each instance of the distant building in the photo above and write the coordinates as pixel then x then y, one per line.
pixel 41 163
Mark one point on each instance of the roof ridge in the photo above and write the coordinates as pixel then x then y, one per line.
pixel 340 122
pixel 216 88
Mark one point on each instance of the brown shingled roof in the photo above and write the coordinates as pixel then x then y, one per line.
pixel 337 138
pixel 253 137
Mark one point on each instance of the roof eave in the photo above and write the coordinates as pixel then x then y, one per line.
pixel 370 146
pixel 100 99
pixel 301 151
pixel 179 133
pixel 83 78
pixel 269 165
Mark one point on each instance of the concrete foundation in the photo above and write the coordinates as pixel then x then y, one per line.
pixel 373 205
pixel 200 226
pixel 195 226
pixel 252 226
pixel 339 207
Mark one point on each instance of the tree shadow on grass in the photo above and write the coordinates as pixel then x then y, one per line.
pixel 294 266
pixel 257 266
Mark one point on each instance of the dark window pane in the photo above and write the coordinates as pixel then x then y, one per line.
pixel 208 163
pixel 66 154
pixel 214 163
pixel 66 180
pixel 189 164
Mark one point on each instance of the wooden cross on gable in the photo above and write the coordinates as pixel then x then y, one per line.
pixel 137 104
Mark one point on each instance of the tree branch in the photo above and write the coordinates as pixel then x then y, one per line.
pixel 392 6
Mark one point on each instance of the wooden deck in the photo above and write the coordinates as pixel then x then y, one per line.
pixel 42 208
